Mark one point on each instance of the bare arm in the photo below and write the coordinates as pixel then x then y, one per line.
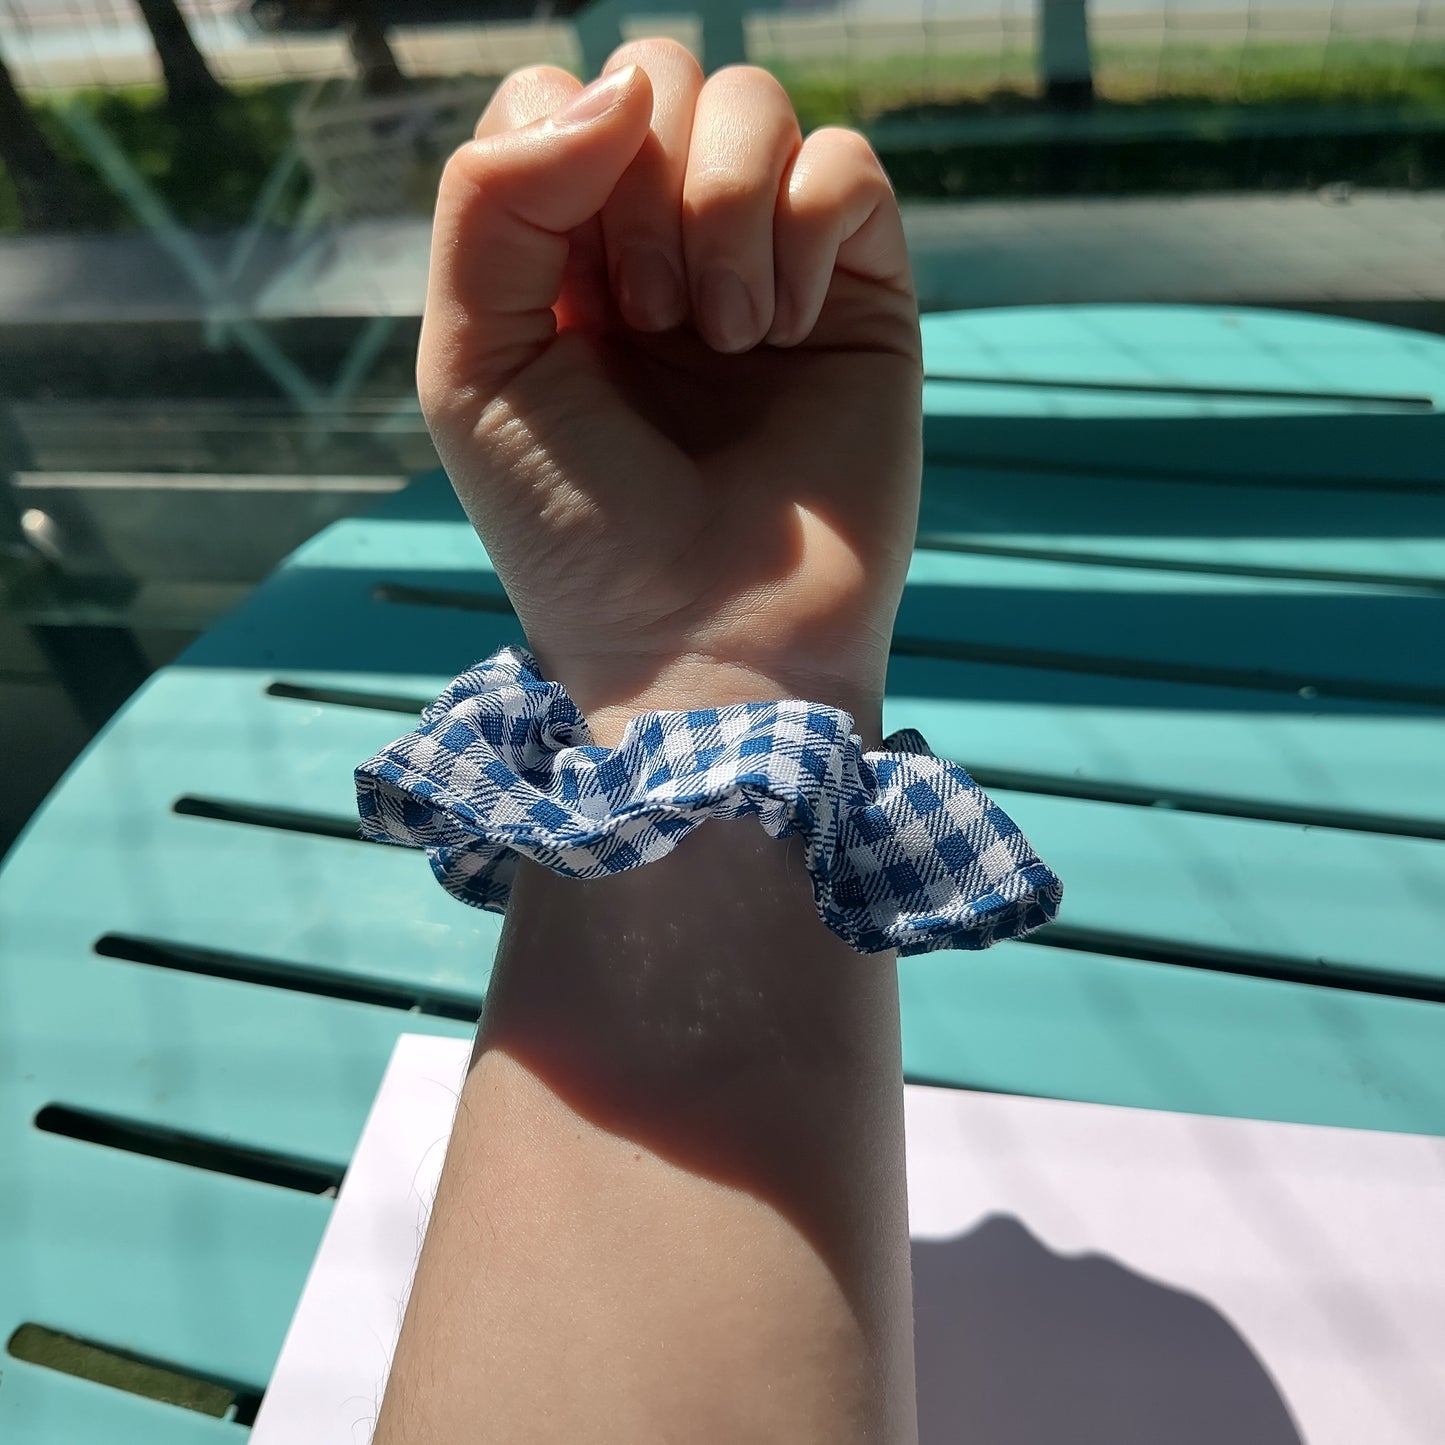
pixel 673 1207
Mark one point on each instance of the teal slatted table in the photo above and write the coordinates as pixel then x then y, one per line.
pixel 1178 599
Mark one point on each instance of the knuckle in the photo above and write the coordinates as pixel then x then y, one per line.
pixel 461 165
pixel 751 78
pixel 721 188
pixel 837 165
pixel 531 77
pixel 466 168
pixel 656 52
pixel 848 145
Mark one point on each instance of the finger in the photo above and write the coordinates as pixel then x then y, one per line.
pixel 523 98
pixel 744 136
pixel 500 246
pixel 837 212
pixel 642 223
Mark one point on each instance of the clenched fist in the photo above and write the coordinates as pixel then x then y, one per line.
pixel 671 361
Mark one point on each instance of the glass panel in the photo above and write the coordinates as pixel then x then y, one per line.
pixel 214 220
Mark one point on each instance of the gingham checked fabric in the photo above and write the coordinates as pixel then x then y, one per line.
pixel 905 850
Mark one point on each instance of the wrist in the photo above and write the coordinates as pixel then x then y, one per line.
pixel 610 693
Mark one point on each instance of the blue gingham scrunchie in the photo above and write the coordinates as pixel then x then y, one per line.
pixel 905 850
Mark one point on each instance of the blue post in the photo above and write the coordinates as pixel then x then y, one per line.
pixel 1065 64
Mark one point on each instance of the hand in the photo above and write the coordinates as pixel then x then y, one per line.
pixel 671 362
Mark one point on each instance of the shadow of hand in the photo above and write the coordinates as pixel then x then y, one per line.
pixel 1017 1345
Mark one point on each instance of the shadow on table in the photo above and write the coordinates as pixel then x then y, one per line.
pixel 1247 649
pixel 1317 475
pixel 1017 1345
pixel 1369 453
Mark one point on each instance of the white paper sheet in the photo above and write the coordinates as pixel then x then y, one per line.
pixel 1084 1275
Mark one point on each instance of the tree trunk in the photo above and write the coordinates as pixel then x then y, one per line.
pixel 375 61
pixel 189 81
pixel 47 200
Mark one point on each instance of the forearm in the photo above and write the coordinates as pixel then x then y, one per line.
pixel 674 1204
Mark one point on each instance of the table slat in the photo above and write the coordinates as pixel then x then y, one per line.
pixel 1175 523
pixel 41 1407
pixel 1310 896
pixel 183 1266
pixel 1256 632
pixel 1159 739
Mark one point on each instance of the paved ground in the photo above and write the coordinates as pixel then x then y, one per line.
pixel 1337 250
pixel 1332 251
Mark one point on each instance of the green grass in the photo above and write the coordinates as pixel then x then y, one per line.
pixel 1306 90
pixel 208 172
pixel 1355 73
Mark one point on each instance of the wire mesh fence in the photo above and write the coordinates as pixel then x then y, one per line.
pixel 58 45
pixel 1235 51
pixel 1188 94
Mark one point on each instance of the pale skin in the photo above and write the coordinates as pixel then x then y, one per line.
pixel 671 361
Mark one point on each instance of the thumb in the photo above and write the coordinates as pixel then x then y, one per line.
pixel 500 236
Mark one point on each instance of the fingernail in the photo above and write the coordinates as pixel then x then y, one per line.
pixel 725 311
pixel 595 100
pixel 649 289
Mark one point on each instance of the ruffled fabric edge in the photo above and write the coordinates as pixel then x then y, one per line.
pixel 903 848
